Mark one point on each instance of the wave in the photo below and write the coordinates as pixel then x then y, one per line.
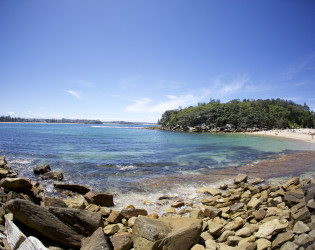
pixel 124 168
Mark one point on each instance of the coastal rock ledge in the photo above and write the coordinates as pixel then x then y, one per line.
pixel 247 214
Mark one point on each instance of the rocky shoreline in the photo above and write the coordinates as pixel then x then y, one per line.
pixel 247 214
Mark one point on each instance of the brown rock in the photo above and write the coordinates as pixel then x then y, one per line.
pixel 260 214
pixel 42 169
pixel 54 202
pixel 96 241
pixel 240 178
pixel 281 239
pixel 293 181
pixel 56 223
pixel 115 217
pixel 178 204
pixel 121 241
pixel 20 185
pixel 134 213
pixel 3 173
pixel 196 214
pixel 101 199
pixel 53 176
pixel 81 189
pixel 215 229
pixel 166 233
pixel 212 212
pixel 3 161
pixel 300 212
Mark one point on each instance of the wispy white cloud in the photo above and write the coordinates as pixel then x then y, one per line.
pixel 146 105
pixel 76 94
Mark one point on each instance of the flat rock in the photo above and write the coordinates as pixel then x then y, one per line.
pixel 240 178
pixel 281 239
pixel 121 241
pixel 81 189
pixel 300 227
pixel 128 213
pixel 211 191
pixel 294 197
pixel 237 206
pixel 54 202
pixel 289 246
pixel 53 176
pixel 42 169
pixel 292 181
pixel 20 185
pixel 96 241
pixel 270 227
pixel 56 223
pixel 225 235
pixel 101 199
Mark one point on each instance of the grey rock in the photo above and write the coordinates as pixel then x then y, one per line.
pixel 300 227
pixel 63 225
pixel 305 239
pixel 96 241
pixel 289 246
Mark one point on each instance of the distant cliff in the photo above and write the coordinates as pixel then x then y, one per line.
pixel 237 116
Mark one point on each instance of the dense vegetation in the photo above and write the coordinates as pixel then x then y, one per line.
pixel 262 114
pixel 63 120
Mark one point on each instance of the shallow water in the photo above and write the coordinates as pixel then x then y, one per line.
pixel 135 163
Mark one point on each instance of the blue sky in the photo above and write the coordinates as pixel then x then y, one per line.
pixel 133 59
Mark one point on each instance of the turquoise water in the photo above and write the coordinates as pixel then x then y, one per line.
pixel 119 158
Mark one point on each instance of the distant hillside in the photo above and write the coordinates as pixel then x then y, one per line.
pixel 36 120
pixel 239 116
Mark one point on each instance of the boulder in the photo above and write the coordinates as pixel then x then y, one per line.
pixel 101 199
pixel 42 169
pixel 128 213
pixel 64 225
pixel 166 233
pixel 121 241
pixel 270 227
pixel 53 176
pixel 81 189
pixel 20 185
pixel 96 241
pixel 240 178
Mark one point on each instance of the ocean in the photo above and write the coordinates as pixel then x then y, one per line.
pixel 137 164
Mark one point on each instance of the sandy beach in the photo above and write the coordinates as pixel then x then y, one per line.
pixel 304 134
